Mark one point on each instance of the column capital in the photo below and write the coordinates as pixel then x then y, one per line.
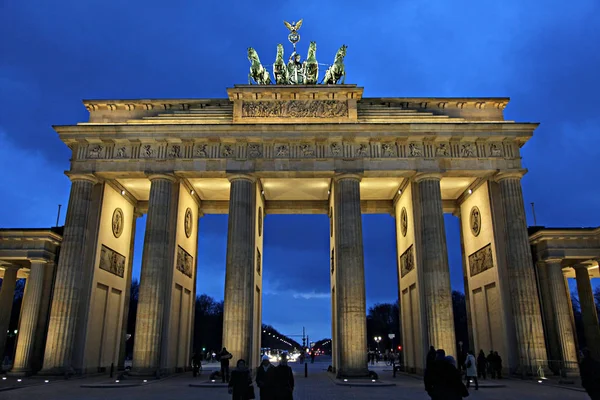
pixel 10 267
pixel 582 267
pixel 38 260
pixel 513 174
pixel 347 175
pixel 168 177
pixel 422 176
pixel 234 177
pixel 81 177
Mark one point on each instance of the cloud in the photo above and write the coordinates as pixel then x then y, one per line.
pixel 31 188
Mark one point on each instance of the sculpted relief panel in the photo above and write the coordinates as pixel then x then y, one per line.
pixel 295 109
pixel 481 260
pixel 112 262
pixel 407 262
pixel 185 262
pixel 302 149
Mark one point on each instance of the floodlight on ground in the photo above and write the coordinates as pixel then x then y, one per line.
pixel 46 381
pixel 19 380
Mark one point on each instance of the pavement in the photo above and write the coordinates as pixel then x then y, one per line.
pixel 319 385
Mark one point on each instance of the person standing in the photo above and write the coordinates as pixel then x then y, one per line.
pixel 264 378
pixel 431 355
pixel 498 365
pixel 224 357
pixel 282 380
pixel 490 364
pixel 590 375
pixel 240 384
pixel 196 363
pixel 471 369
pixel 481 365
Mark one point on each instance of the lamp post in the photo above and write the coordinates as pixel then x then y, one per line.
pixel 377 340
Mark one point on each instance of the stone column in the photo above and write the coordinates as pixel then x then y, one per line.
pixel 7 294
pixel 157 263
pixel 69 283
pixel 434 267
pixel 591 330
pixel 350 279
pixel 562 316
pixel 30 312
pixel 531 345
pixel 123 339
pixel 552 340
pixel 239 274
pixel 565 272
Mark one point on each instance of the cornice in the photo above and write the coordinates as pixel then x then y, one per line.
pixel 564 234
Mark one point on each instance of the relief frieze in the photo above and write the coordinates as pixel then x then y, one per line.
pixel 407 262
pixel 388 149
pixel 495 150
pixel 185 262
pixel 96 151
pixel 111 261
pixel 481 260
pixel 295 109
pixel 201 150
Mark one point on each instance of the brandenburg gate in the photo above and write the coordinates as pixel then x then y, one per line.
pixel 291 147
pixel 277 149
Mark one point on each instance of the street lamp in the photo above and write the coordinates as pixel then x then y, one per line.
pixel 377 339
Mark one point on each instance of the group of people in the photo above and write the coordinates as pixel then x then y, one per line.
pixel 443 379
pixel 492 365
pixel 274 382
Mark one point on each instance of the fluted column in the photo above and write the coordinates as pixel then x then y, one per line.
pixel 123 339
pixel 30 312
pixel 350 281
pixel 562 316
pixel 552 340
pixel 531 345
pixel 157 263
pixel 591 330
pixel 239 274
pixel 68 283
pixel 7 294
pixel 434 267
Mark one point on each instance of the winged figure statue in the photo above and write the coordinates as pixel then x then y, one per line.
pixel 293 37
pixel 293 27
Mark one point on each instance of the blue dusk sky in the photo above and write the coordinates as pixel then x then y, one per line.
pixel 542 54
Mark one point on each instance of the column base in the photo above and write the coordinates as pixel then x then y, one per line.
pixel 20 372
